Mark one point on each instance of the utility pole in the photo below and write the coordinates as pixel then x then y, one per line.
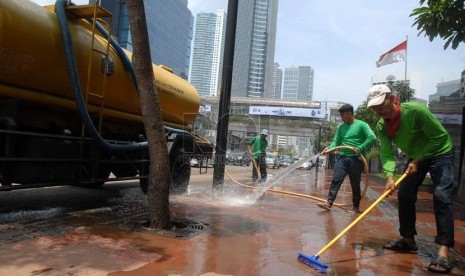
pixel 225 96
pixel 319 138
pixel 319 149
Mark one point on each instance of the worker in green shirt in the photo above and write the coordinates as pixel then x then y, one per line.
pixel 259 144
pixel 358 135
pixel 417 132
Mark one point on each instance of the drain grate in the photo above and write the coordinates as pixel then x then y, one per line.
pixel 182 228
pixel 197 226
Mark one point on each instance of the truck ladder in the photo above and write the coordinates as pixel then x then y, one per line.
pixel 95 12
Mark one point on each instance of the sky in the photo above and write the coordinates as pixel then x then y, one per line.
pixel 343 39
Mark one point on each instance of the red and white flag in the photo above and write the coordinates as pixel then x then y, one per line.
pixel 396 54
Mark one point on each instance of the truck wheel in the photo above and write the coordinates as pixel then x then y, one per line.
pixel 103 172
pixel 144 185
pixel 144 182
pixel 180 173
pixel 5 182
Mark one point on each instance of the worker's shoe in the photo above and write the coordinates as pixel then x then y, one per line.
pixel 354 210
pixel 440 265
pixel 325 206
pixel 404 244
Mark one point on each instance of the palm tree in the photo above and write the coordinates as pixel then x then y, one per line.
pixel 403 90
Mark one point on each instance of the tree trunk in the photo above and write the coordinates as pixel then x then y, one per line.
pixel 159 178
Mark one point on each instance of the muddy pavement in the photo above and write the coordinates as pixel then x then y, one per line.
pixel 229 232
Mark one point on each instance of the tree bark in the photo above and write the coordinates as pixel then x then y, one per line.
pixel 159 178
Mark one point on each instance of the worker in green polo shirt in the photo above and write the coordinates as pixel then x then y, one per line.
pixel 259 145
pixel 357 134
pixel 418 133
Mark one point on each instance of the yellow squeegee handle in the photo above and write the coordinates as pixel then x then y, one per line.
pixel 386 193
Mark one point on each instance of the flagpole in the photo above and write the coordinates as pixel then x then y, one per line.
pixel 406 40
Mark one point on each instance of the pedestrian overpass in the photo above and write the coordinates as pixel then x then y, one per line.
pixel 284 130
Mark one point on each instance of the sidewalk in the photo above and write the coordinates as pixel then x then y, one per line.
pixel 234 235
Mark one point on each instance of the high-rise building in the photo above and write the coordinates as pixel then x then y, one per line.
pixel 445 88
pixel 170 44
pixel 298 83
pixel 207 56
pixel 412 79
pixel 282 141
pixel 277 84
pixel 254 48
pixel 170 24
pixel 120 21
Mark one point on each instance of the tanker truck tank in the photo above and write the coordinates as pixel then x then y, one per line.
pixel 39 117
pixel 33 59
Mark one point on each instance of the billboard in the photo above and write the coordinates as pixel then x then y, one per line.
pixel 287 111
pixel 205 108
pixel 449 119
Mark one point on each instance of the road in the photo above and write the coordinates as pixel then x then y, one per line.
pixel 25 208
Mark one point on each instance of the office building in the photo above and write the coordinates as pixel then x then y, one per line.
pixel 444 89
pixel 207 55
pixel 170 43
pixel 449 110
pixel 120 21
pixel 413 80
pixel 277 83
pixel 298 83
pixel 282 141
pixel 170 24
pixel 254 48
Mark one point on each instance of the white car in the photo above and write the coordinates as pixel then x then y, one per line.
pixel 304 166
pixel 272 161
pixel 312 163
pixel 195 162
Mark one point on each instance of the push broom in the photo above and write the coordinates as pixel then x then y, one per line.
pixel 313 260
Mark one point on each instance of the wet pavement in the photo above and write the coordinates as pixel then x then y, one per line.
pixel 235 231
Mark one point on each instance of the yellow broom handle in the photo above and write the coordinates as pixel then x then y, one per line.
pixel 253 160
pixel 386 193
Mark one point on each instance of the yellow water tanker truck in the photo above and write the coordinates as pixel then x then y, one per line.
pixel 69 106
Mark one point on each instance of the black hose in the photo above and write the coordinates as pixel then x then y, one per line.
pixel 76 87
pixel 119 51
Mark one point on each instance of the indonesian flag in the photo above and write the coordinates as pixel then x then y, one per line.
pixel 396 54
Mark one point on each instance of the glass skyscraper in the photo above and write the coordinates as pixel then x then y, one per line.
pixel 277 82
pixel 169 25
pixel 207 56
pixel 254 48
pixel 120 21
pixel 298 83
